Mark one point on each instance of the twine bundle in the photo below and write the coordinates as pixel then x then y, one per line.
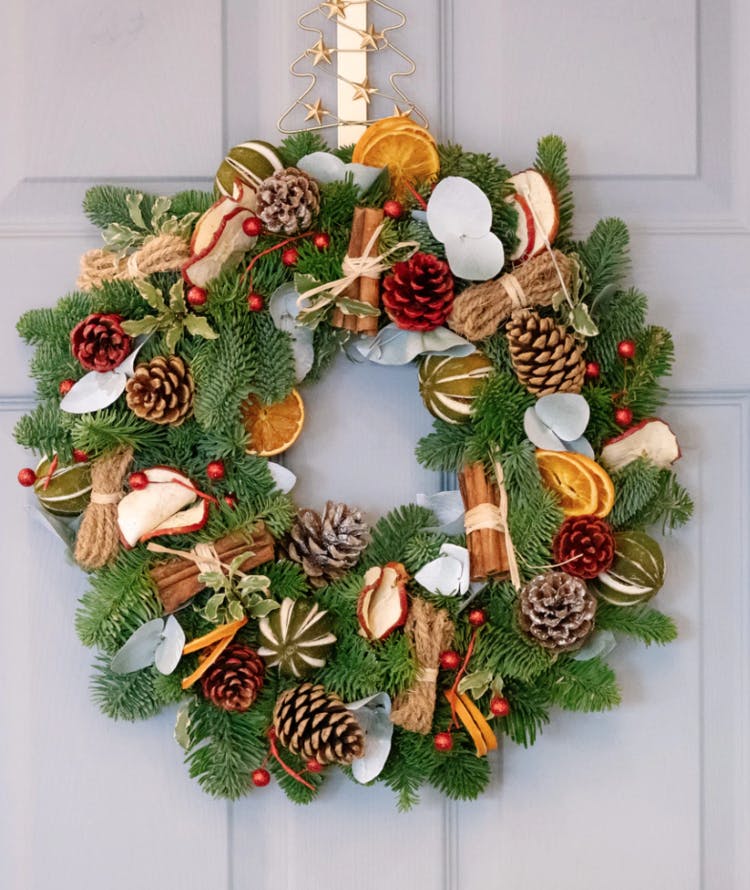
pixel 480 310
pixel 430 632
pixel 98 541
pixel 162 253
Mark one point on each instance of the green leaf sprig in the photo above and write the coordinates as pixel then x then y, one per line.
pixel 236 594
pixel 172 319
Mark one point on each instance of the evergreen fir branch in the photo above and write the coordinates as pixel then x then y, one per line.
pixel 287 580
pixel 52 363
pixel 492 177
pixel 112 428
pixel 552 161
pixel 444 448
pixel 355 672
pixel 123 298
pixel 327 343
pixel 277 511
pixel 191 201
pixel 298 145
pixel 602 424
pixel 461 775
pixel 106 205
pixel 337 203
pixel 125 696
pixel 344 153
pixel 391 533
pixel 408 766
pixel 506 653
pixel 323 265
pixel 529 712
pixel 671 506
pixel 640 621
pixel 583 685
pixel 624 319
pixel 636 485
pixel 497 350
pixel 40 326
pixel 46 430
pixel 274 370
pixel 498 416
pixel 654 358
pixel 226 746
pixel 420 550
pixel 605 256
pixel 294 790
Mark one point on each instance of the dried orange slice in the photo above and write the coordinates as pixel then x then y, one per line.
pixel 273 428
pixel 409 152
pixel 563 473
pixel 379 128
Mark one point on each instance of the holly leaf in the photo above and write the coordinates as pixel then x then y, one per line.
pixel 177 298
pixel 121 239
pixel 158 211
pixel 146 325
pixel 173 336
pixel 151 294
pixel 198 326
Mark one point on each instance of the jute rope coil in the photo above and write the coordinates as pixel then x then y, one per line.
pixel 430 632
pixel 98 541
pixel 480 310
pixel 162 253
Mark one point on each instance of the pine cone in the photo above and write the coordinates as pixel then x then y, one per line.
pixel 546 357
pixel 315 725
pixel 288 201
pixel 557 611
pixel 99 342
pixel 418 294
pixel 161 390
pixel 586 544
pixel 328 546
pixel 235 679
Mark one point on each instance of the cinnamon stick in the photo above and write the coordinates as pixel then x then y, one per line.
pixel 177 581
pixel 356 246
pixel 369 288
pixel 488 555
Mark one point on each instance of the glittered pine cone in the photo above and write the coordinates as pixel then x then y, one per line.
pixel 235 679
pixel 99 342
pixel 557 611
pixel 161 390
pixel 418 294
pixel 586 546
pixel 315 725
pixel 328 546
pixel 546 357
pixel 288 201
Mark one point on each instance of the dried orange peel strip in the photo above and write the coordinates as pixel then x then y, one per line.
pixel 206 662
pixel 490 739
pixel 218 633
pixel 478 728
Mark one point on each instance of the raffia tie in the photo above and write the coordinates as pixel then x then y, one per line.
pixel 98 540
pixel 354 267
pixel 495 517
pixel 430 632
pixel 161 253
pixel 480 310
pixel 204 556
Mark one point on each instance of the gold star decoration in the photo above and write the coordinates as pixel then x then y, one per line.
pixel 370 38
pixel 364 90
pixel 320 52
pixel 335 8
pixel 316 111
pixel 399 112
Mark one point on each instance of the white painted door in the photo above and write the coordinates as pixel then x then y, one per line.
pixel 653 98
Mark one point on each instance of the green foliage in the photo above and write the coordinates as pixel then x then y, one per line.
pixel 125 696
pixel 670 507
pixel 392 531
pixel 444 448
pixel 298 145
pixel 112 427
pixel 498 416
pixel 636 485
pixel 642 622
pixel 552 161
pixel 605 256
pixel 45 431
pixel 584 685
pixel 107 205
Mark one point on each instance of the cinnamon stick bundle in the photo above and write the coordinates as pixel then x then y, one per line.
pixel 485 539
pixel 356 246
pixel 367 290
pixel 177 581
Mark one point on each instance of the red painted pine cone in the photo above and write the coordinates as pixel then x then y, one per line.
pixel 99 342
pixel 418 294
pixel 586 546
pixel 235 679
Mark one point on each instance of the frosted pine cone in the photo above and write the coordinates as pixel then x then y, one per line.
pixel 557 611
pixel 288 201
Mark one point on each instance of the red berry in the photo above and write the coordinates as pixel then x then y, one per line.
pixel 80 457
pixel 477 617
pixel 252 227
pixel 500 706
pixel 313 766
pixel 322 240
pixel 230 500
pixel 196 296
pixel 623 417
pixel 137 481
pixel 66 386
pixel 215 470
pixel 593 371
pixel 393 209
pixel 261 778
pixel 255 302
pixel 443 741
pixel 290 256
pixel 27 477
pixel 626 349
pixel 450 660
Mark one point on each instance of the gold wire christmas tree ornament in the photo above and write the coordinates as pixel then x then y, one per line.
pixel 360 101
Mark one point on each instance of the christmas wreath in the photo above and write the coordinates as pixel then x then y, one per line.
pixel 294 640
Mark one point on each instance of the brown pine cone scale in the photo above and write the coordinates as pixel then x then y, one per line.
pixel 547 358
pixel 288 201
pixel 161 390
pixel 235 679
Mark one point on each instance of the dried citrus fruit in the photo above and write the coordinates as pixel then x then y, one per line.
pixel 385 125
pixel 605 488
pixel 273 428
pixel 571 480
pixel 409 152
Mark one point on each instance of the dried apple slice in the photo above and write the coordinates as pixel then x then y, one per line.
pixel 651 438
pixel 383 603
pixel 525 229
pixel 183 523
pixel 541 200
pixel 141 511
